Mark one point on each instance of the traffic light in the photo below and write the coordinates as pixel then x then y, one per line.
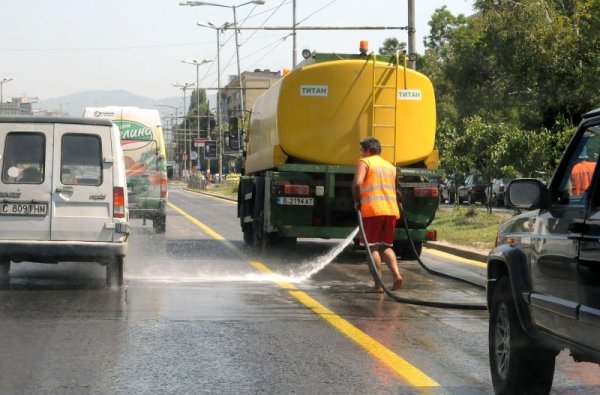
pixel 210 149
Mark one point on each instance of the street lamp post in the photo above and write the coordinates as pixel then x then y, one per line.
pixel 218 29
pixel 2 82
pixel 184 86
pixel 237 45
pixel 197 64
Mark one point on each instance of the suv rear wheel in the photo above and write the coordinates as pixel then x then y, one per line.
pixel 518 366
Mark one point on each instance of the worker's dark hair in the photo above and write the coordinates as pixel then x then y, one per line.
pixel 371 144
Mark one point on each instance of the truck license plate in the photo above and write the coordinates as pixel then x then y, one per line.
pixel 296 201
pixel 34 209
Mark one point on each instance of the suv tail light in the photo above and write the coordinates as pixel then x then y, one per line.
pixel 118 202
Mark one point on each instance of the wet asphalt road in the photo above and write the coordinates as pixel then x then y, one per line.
pixel 203 315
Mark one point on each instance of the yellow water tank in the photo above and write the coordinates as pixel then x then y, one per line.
pixel 318 113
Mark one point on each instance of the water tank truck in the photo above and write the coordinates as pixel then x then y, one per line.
pixel 302 146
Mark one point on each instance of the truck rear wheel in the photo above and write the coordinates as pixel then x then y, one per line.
pixel 249 236
pixel 404 250
pixel 258 233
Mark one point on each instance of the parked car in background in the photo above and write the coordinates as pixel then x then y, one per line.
pixel 232 178
pixel 498 188
pixel 473 190
pixel 448 189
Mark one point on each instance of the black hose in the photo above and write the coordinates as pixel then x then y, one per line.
pixel 427 269
pixel 397 298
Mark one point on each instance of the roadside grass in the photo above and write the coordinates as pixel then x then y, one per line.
pixel 468 226
pixel 226 189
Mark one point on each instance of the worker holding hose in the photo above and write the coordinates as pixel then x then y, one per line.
pixel 374 192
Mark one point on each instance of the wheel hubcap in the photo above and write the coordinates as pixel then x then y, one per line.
pixel 502 341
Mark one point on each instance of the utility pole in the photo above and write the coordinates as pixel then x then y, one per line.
pixel 294 49
pixel 184 86
pixel 411 34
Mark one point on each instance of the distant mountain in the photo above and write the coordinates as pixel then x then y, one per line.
pixel 75 103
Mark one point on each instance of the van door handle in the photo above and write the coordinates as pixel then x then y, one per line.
pixel 64 189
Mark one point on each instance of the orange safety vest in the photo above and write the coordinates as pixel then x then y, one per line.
pixel 581 177
pixel 378 189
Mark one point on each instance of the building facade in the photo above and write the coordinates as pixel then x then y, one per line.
pixel 254 84
pixel 18 106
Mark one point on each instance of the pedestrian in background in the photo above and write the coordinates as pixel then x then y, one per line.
pixel 374 192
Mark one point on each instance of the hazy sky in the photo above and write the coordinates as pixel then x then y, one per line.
pixel 55 48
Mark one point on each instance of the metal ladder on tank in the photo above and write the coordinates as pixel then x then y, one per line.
pixel 379 129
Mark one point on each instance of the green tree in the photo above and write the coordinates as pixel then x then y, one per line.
pixel 391 45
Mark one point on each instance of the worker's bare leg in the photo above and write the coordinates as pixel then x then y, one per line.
pixel 377 260
pixel 389 257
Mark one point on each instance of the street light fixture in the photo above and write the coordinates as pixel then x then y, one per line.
pixel 184 86
pixel 197 64
pixel 235 24
pixel 2 82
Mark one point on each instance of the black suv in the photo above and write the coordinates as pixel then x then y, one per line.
pixel 544 275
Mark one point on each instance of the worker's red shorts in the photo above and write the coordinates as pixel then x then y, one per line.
pixel 379 230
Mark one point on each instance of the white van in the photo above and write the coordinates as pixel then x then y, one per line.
pixel 63 193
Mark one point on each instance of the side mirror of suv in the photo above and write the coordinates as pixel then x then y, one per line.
pixel 526 194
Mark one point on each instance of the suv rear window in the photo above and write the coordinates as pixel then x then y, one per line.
pixel 24 158
pixel 81 160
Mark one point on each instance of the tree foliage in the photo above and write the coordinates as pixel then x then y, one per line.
pixel 511 82
pixel 391 45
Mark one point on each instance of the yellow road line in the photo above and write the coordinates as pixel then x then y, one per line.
pixel 446 255
pixel 199 224
pixel 403 368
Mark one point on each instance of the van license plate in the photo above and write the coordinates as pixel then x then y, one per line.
pixel 34 209
pixel 296 201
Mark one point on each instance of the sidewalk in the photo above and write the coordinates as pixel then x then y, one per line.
pixel 461 251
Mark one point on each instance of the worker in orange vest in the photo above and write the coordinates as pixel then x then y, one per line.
pixel 581 175
pixel 374 192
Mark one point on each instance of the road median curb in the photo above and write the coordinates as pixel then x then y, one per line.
pixel 458 251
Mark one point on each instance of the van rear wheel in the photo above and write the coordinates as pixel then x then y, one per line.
pixel 4 269
pixel 160 224
pixel 114 272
